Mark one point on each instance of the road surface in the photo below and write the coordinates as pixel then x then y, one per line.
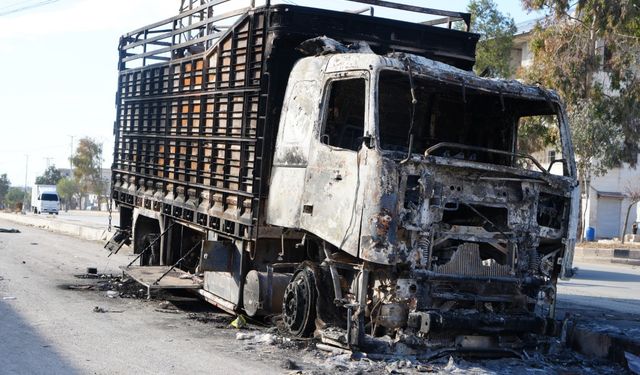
pixel 603 286
pixel 91 218
pixel 48 328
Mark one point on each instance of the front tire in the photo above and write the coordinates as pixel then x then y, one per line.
pixel 299 304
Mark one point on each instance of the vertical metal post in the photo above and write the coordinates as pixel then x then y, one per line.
pixel 24 197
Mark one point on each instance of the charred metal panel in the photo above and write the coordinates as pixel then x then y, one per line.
pixel 226 281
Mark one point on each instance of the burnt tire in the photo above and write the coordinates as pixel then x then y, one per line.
pixel 299 304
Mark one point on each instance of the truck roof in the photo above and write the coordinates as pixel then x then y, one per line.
pixel 162 40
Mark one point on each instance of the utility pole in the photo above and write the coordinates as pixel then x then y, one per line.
pixel 48 160
pixel 24 199
pixel 71 156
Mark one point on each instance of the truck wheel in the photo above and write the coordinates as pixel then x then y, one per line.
pixel 299 304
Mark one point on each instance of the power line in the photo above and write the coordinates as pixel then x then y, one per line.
pixel 22 7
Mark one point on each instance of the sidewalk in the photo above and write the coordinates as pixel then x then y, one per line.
pixel 621 255
pixel 87 230
pixel 602 334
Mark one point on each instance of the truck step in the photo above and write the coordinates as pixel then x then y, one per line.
pixel 156 278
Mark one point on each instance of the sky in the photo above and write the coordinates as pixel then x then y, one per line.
pixel 58 71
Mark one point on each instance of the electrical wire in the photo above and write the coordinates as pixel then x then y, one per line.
pixel 23 7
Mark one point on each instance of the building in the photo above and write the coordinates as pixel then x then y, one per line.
pixel 606 206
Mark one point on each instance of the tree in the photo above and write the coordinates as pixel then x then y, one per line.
pixel 87 163
pixel 589 51
pixel 4 186
pixel 493 53
pixel 68 189
pixel 51 176
pixel 633 193
pixel 14 198
pixel 590 54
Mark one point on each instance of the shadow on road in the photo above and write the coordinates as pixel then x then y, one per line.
pixel 599 275
pixel 24 351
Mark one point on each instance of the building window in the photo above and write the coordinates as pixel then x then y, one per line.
pixel 551 156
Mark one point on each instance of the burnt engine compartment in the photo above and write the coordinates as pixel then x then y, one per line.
pixel 481 257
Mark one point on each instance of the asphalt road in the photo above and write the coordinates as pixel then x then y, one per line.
pixel 46 328
pixel 92 218
pixel 603 286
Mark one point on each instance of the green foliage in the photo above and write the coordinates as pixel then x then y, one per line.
pixel 4 186
pixel 596 134
pixel 493 54
pixel 536 133
pixel 591 55
pixel 14 196
pixel 87 163
pixel 68 188
pixel 51 176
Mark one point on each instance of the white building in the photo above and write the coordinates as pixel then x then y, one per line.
pixel 606 207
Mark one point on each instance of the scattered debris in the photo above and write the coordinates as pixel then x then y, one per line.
pixel 5 230
pixel 168 311
pixel 332 349
pixel 289 364
pixel 83 287
pixel 258 338
pixel 220 320
pixel 92 271
pixel 244 336
pixel 112 294
pixel 239 322
pixel 33 243
pixel 8 298
pixel 99 309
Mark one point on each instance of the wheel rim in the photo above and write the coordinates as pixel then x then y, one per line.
pixel 298 305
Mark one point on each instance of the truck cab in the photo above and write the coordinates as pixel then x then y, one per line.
pixel 414 167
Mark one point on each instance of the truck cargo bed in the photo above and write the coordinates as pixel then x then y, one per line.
pixel 198 103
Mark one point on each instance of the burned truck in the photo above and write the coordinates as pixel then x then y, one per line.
pixel 347 172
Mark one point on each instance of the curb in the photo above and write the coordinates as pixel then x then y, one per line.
pixel 603 341
pixel 617 256
pixel 80 231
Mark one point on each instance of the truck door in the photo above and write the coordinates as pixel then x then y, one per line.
pixel 335 175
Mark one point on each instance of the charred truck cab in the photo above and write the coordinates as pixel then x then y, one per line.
pixel 366 185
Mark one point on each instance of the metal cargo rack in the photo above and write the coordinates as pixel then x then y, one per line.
pixel 199 96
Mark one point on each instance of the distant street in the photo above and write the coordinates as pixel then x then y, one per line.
pixel 93 218
pixel 603 286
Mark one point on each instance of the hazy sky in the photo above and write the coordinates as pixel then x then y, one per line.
pixel 58 71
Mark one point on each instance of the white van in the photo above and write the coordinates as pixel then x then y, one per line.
pixel 45 199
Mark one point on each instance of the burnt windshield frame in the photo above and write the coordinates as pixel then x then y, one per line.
pixel 452 103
